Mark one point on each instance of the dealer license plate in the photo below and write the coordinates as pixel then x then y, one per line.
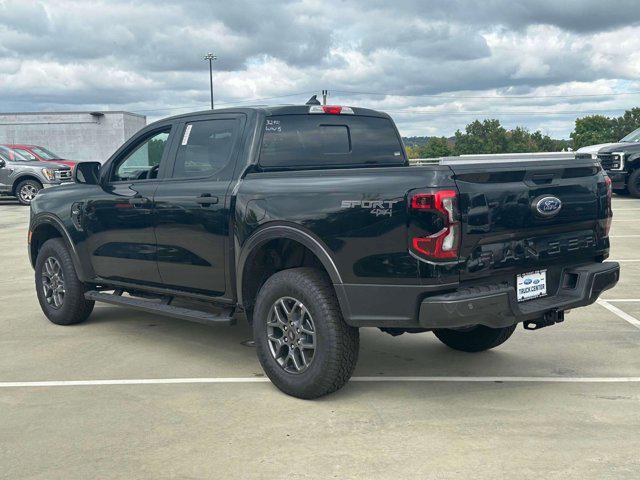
pixel 531 285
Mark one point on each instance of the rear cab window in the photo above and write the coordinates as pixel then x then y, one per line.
pixel 327 141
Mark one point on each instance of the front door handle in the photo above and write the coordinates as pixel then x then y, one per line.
pixel 139 201
pixel 207 199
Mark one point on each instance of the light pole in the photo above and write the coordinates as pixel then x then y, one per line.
pixel 211 57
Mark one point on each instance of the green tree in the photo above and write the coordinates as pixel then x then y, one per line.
pixel 436 147
pixel 592 130
pixel 519 140
pixel 412 151
pixel 626 124
pixel 487 136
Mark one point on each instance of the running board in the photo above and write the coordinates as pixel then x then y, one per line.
pixel 207 318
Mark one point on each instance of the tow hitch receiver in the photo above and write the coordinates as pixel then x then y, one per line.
pixel 550 318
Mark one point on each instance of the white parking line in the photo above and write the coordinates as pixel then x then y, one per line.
pixel 620 299
pixel 624 260
pixel 624 236
pixel 168 381
pixel 623 315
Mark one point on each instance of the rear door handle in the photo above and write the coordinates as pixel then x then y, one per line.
pixel 207 199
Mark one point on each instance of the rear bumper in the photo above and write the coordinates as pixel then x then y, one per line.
pixel 496 305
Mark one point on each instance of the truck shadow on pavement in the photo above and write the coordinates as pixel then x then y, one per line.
pixel 220 352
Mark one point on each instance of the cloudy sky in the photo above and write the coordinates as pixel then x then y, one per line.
pixel 433 65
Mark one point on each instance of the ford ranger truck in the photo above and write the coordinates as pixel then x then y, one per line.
pixel 309 222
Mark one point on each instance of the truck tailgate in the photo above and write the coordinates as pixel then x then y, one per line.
pixel 520 216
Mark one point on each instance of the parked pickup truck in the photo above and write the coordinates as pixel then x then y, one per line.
pixel 308 221
pixel 23 178
pixel 620 161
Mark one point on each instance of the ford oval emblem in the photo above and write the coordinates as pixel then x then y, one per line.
pixel 547 206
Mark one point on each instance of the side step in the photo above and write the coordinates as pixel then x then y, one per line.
pixel 224 318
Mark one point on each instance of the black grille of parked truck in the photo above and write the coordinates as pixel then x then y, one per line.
pixel 308 222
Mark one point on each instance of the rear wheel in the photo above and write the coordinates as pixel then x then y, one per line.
pixel 474 339
pixel 633 183
pixel 303 344
pixel 60 292
pixel 27 190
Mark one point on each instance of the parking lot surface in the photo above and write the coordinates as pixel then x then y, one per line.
pixel 563 402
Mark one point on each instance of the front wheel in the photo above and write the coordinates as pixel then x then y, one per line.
pixel 474 339
pixel 60 292
pixel 302 341
pixel 27 190
pixel 633 183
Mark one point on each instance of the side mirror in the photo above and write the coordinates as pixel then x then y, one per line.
pixel 2 163
pixel 87 172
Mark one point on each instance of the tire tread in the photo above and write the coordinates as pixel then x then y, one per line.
pixel 343 338
pixel 78 309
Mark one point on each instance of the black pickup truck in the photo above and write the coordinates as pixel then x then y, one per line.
pixel 309 222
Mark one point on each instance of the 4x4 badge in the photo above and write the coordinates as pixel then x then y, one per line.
pixel 375 207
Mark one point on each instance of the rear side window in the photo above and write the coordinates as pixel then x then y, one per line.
pixel 205 148
pixel 312 141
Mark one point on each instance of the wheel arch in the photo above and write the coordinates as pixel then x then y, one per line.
pixel 253 266
pixel 22 178
pixel 45 228
pixel 633 161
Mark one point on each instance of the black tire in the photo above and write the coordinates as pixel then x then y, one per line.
pixel 74 308
pixel 623 192
pixel 633 183
pixel 336 343
pixel 475 339
pixel 27 190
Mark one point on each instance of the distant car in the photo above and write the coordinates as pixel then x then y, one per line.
pixel 36 152
pixel 24 177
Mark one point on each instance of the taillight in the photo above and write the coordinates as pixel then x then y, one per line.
pixel 331 109
pixel 435 212
pixel 608 209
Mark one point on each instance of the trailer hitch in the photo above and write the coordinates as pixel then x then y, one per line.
pixel 549 318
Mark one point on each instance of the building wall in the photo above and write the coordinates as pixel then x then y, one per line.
pixel 72 135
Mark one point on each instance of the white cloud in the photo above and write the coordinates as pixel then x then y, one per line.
pixel 147 56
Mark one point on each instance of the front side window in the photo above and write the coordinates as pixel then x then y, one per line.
pixel 46 154
pixel 144 161
pixel 27 154
pixel 205 148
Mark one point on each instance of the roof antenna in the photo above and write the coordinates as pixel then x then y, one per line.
pixel 313 101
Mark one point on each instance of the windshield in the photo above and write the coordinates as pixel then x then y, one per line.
pixel 632 137
pixel 13 155
pixel 44 153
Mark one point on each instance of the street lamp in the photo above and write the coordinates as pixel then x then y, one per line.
pixel 211 57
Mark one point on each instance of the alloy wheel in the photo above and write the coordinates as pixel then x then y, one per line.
pixel 53 282
pixel 28 192
pixel 291 335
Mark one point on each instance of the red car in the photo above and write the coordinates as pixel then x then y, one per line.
pixel 35 152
